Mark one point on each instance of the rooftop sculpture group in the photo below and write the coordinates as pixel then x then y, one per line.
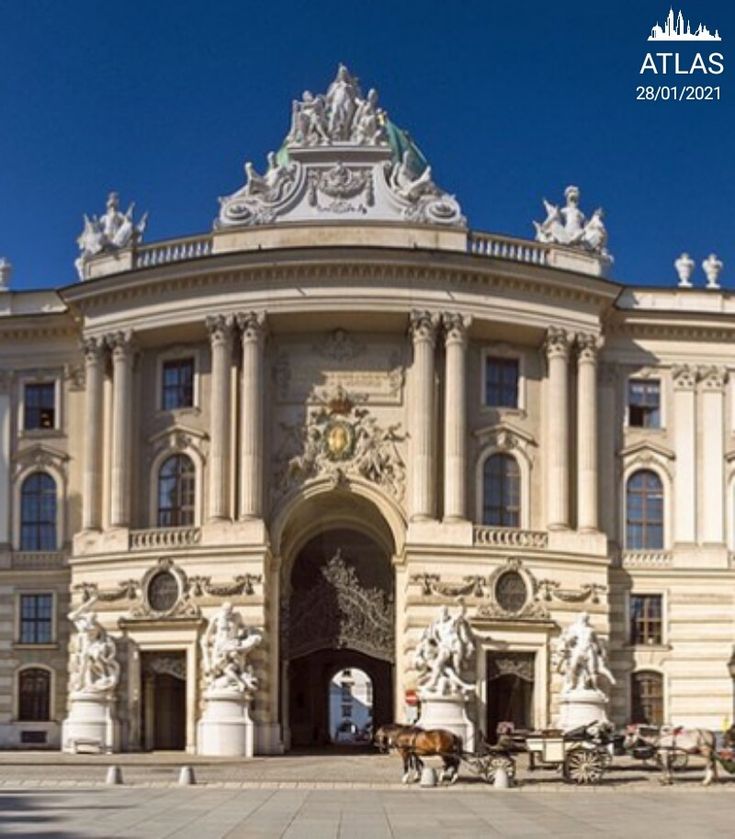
pixel 112 231
pixel 569 226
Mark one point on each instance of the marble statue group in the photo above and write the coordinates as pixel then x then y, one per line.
pixel 569 226
pixel 94 667
pixel 444 651
pixel 581 657
pixel 111 231
pixel 226 645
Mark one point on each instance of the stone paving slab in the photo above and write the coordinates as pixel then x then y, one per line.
pixel 208 813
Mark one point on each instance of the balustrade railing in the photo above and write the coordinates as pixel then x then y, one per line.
pixel 505 247
pixel 38 560
pixel 509 537
pixel 193 247
pixel 647 559
pixel 164 537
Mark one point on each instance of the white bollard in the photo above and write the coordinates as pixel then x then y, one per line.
pixel 186 776
pixel 114 775
pixel 428 777
pixel 501 780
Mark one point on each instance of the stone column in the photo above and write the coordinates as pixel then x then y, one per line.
pixel 220 337
pixel 713 455
pixel 557 346
pixel 121 345
pixel 252 325
pixel 587 478
pixel 684 379
pixel 94 362
pixel 423 328
pixel 5 385
pixel 455 417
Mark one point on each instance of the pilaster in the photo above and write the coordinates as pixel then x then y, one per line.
pixel 684 379
pixel 713 381
pixel 122 349
pixel 588 346
pixel 220 337
pixel 94 360
pixel 557 347
pixel 253 327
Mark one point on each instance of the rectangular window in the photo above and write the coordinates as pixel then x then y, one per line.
pixel 501 382
pixel 36 618
pixel 178 384
pixel 644 403
pixel 645 619
pixel 39 406
pixel 347 711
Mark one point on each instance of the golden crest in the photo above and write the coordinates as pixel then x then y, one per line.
pixel 340 438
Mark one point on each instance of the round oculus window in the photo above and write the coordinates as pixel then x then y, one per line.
pixel 511 591
pixel 163 591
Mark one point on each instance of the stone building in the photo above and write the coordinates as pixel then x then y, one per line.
pixel 341 409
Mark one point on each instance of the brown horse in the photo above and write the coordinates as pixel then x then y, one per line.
pixel 413 745
pixel 385 736
pixel 669 740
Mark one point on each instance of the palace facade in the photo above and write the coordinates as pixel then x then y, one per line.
pixel 341 409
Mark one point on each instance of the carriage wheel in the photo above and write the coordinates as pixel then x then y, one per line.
pixel 499 761
pixel 584 766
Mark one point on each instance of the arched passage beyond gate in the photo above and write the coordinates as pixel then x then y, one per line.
pixel 338 613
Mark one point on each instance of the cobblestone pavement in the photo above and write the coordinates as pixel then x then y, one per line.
pixel 349 795
pixel 207 813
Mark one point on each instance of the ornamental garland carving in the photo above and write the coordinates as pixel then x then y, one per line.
pixel 165 591
pixel 510 592
pixel 340 440
pixel 338 611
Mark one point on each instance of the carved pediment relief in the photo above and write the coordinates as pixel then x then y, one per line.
pixel 647 453
pixel 179 438
pixel 40 455
pixel 506 436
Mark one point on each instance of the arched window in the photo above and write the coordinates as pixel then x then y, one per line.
pixel 644 511
pixel 38 513
pixel 647 695
pixel 501 488
pixel 34 695
pixel 176 492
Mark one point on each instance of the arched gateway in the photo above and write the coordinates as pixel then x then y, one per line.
pixel 337 612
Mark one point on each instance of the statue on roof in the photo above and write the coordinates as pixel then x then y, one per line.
pixel 569 226
pixel 409 186
pixel 112 231
pixel 272 184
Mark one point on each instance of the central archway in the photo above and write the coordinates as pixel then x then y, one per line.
pixel 337 614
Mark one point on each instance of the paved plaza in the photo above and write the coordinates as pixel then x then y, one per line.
pixel 351 795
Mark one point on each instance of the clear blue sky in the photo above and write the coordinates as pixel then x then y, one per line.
pixel 510 101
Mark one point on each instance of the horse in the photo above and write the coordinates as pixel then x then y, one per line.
pixel 385 736
pixel 691 741
pixel 413 745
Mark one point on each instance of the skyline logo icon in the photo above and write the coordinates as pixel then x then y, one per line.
pixel 674 29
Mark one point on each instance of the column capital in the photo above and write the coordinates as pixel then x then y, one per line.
pixel 423 326
pixel 93 349
pixel 252 325
pixel 684 377
pixel 713 378
pixel 588 346
pixel 219 328
pixel 121 343
pixel 557 343
pixel 455 327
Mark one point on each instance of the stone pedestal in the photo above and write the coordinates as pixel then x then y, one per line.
pixel 226 729
pixel 581 707
pixel 450 713
pixel 91 724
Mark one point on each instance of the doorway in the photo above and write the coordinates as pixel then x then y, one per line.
pixel 164 701
pixel 338 615
pixel 510 683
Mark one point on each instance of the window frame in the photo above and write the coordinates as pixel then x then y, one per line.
pixel 22 480
pixel 662 681
pixel 507 457
pixel 18 629
pixel 638 468
pixel 179 353
pixel 178 388
pixel 194 477
pixel 24 380
pixel 643 644
pixel 507 353
pixel 645 376
pixel 17 715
